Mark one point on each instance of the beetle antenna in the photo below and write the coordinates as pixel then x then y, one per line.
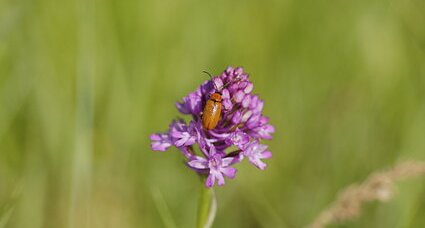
pixel 206 72
pixel 211 77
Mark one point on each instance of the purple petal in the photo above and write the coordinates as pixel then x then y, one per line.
pixel 212 150
pixel 264 120
pixel 246 116
pixel 238 71
pixel 204 145
pixel 233 88
pixel 218 83
pixel 198 163
pixel 245 101
pixel 191 104
pixel 253 121
pixel 259 107
pixel 238 138
pixel 219 176
pixel 260 148
pixel 209 182
pixel 249 88
pixel 225 94
pixel 219 136
pixel 255 152
pixel 265 131
pixel 242 85
pixel 229 70
pixel 206 89
pixel 160 142
pixel 227 161
pixel 266 154
pixel 190 141
pixel 254 102
pixel 181 134
pixel 180 142
pixel 229 172
pixel 237 117
pixel 227 104
pixel 155 137
pixel 243 77
pixel 177 134
pixel 183 107
pixel 258 163
pixel 239 95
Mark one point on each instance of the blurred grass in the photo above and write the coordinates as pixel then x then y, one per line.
pixel 83 84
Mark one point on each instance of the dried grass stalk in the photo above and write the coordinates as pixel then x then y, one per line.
pixel 378 186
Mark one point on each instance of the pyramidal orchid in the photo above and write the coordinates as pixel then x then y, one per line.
pixel 236 137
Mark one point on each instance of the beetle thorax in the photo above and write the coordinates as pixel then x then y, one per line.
pixel 216 97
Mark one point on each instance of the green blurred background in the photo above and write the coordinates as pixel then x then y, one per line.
pixel 84 83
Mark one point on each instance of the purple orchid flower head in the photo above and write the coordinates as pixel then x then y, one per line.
pixel 237 135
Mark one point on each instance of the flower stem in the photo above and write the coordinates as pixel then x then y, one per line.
pixel 206 208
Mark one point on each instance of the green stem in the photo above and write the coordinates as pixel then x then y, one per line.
pixel 206 208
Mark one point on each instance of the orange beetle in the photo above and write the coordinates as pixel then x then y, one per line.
pixel 212 111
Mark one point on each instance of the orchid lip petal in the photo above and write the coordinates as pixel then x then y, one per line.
pixel 198 163
pixel 229 172
pixel 209 182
